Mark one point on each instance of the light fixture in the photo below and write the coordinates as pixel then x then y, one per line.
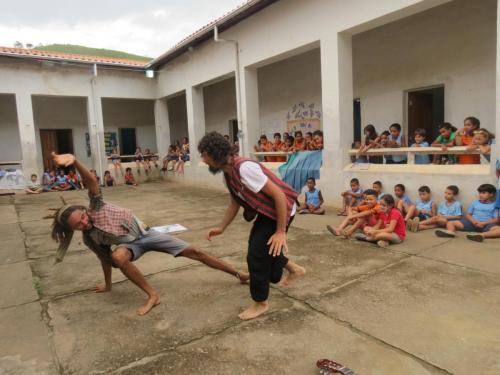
pixel 150 73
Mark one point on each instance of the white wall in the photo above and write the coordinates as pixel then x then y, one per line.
pixel 220 105
pixel 10 145
pixel 453 44
pixel 57 112
pixel 130 113
pixel 287 83
pixel 177 118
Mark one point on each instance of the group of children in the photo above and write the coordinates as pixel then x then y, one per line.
pixel 288 143
pixel 384 218
pixel 54 181
pixel 470 135
pixel 176 157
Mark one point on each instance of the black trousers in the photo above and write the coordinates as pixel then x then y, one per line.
pixel 264 268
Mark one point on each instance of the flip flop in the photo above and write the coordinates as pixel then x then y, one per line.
pixel 332 230
pixel 444 233
pixel 343 213
pixel 475 237
pixel 414 225
pixel 361 237
pixel 328 367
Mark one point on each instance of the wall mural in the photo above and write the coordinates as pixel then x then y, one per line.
pixel 304 117
pixel 11 178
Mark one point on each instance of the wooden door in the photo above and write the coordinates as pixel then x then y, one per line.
pixel 48 140
pixel 420 113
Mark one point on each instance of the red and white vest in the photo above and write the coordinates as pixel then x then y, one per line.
pixel 254 203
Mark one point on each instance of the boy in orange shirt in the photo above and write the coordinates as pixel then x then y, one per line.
pixel 359 217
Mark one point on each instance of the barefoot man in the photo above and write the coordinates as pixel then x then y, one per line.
pixel 118 238
pixel 262 195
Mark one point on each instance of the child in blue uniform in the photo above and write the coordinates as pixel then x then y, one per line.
pixel 313 199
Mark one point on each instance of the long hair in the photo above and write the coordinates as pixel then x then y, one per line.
pixel 61 232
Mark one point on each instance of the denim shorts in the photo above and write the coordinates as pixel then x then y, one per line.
pixel 468 227
pixel 155 241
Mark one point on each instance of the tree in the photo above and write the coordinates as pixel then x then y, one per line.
pixel 18 44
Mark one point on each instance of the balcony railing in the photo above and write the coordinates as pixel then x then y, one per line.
pixel 410 152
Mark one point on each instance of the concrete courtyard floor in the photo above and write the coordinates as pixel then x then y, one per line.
pixel 427 306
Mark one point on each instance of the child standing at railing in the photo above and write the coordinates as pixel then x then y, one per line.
pixel 419 135
pixel 318 140
pixel 371 140
pixel 278 146
pixel 396 140
pixel 264 146
pixel 482 141
pixel 446 138
pixel 464 137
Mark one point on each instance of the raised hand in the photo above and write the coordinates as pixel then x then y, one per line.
pixel 63 159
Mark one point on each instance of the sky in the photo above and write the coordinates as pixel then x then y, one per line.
pixel 143 27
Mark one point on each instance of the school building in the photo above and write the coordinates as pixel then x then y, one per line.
pixel 265 67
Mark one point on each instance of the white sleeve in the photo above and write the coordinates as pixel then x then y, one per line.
pixel 252 176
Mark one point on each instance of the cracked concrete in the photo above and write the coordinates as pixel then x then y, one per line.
pixel 427 306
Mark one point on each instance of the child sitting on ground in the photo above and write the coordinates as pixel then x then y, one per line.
pixel 403 202
pixel 313 199
pixel 129 177
pixel 34 186
pixel 359 217
pixel 49 182
pixel 419 135
pixel 109 180
pixel 481 217
pixel 448 210
pixel 73 180
pixel 390 228
pixel 425 207
pixel 62 181
pixel 377 186
pixel 351 198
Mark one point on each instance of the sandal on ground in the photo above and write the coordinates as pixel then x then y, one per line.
pixel 382 243
pixel 478 237
pixel 444 233
pixel 414 225
pixel 332 230
pixel 409 223
pixel 342 213
pixel 361 237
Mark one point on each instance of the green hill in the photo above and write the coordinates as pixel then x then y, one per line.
pixel 70 48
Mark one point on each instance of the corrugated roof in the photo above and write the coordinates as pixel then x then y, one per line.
pixel 62 56
pixel 224 22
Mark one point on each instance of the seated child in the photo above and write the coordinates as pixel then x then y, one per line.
pixel 448 210
pixel 49 182
pixel 62 181
pixel 481 217
pixel 425 207
pixel 313 199
pixel 403 202
pixel 420 142
pixel 351 198
pixel 377 186
pixel 34 186
pixel 390 228
pixel 73 180
pixel 109 180
pixel 359 217
pixel 129 177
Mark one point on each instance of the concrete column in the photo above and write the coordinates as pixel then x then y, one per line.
pixel 249 110
pixel 196 120
pixel 495 150
pixel 337 100
pixel 27 136
pixel 162 127
pixel 96 132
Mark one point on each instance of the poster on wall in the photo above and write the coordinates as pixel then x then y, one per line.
pixel 12 178
pixel 303 117
pixel 87 144
pixel 110 142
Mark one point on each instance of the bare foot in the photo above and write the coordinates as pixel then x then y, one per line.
pixel 153 301
pixel 258 308
pixel 294 272
pixel 243 277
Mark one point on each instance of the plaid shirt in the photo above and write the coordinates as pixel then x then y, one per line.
pixel 109 218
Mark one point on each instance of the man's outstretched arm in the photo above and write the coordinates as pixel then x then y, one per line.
pixel 88 178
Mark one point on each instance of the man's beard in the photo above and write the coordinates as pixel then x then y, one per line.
pixel 214 170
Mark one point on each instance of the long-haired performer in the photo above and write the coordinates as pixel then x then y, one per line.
pixel 262 195
pixel 118 238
